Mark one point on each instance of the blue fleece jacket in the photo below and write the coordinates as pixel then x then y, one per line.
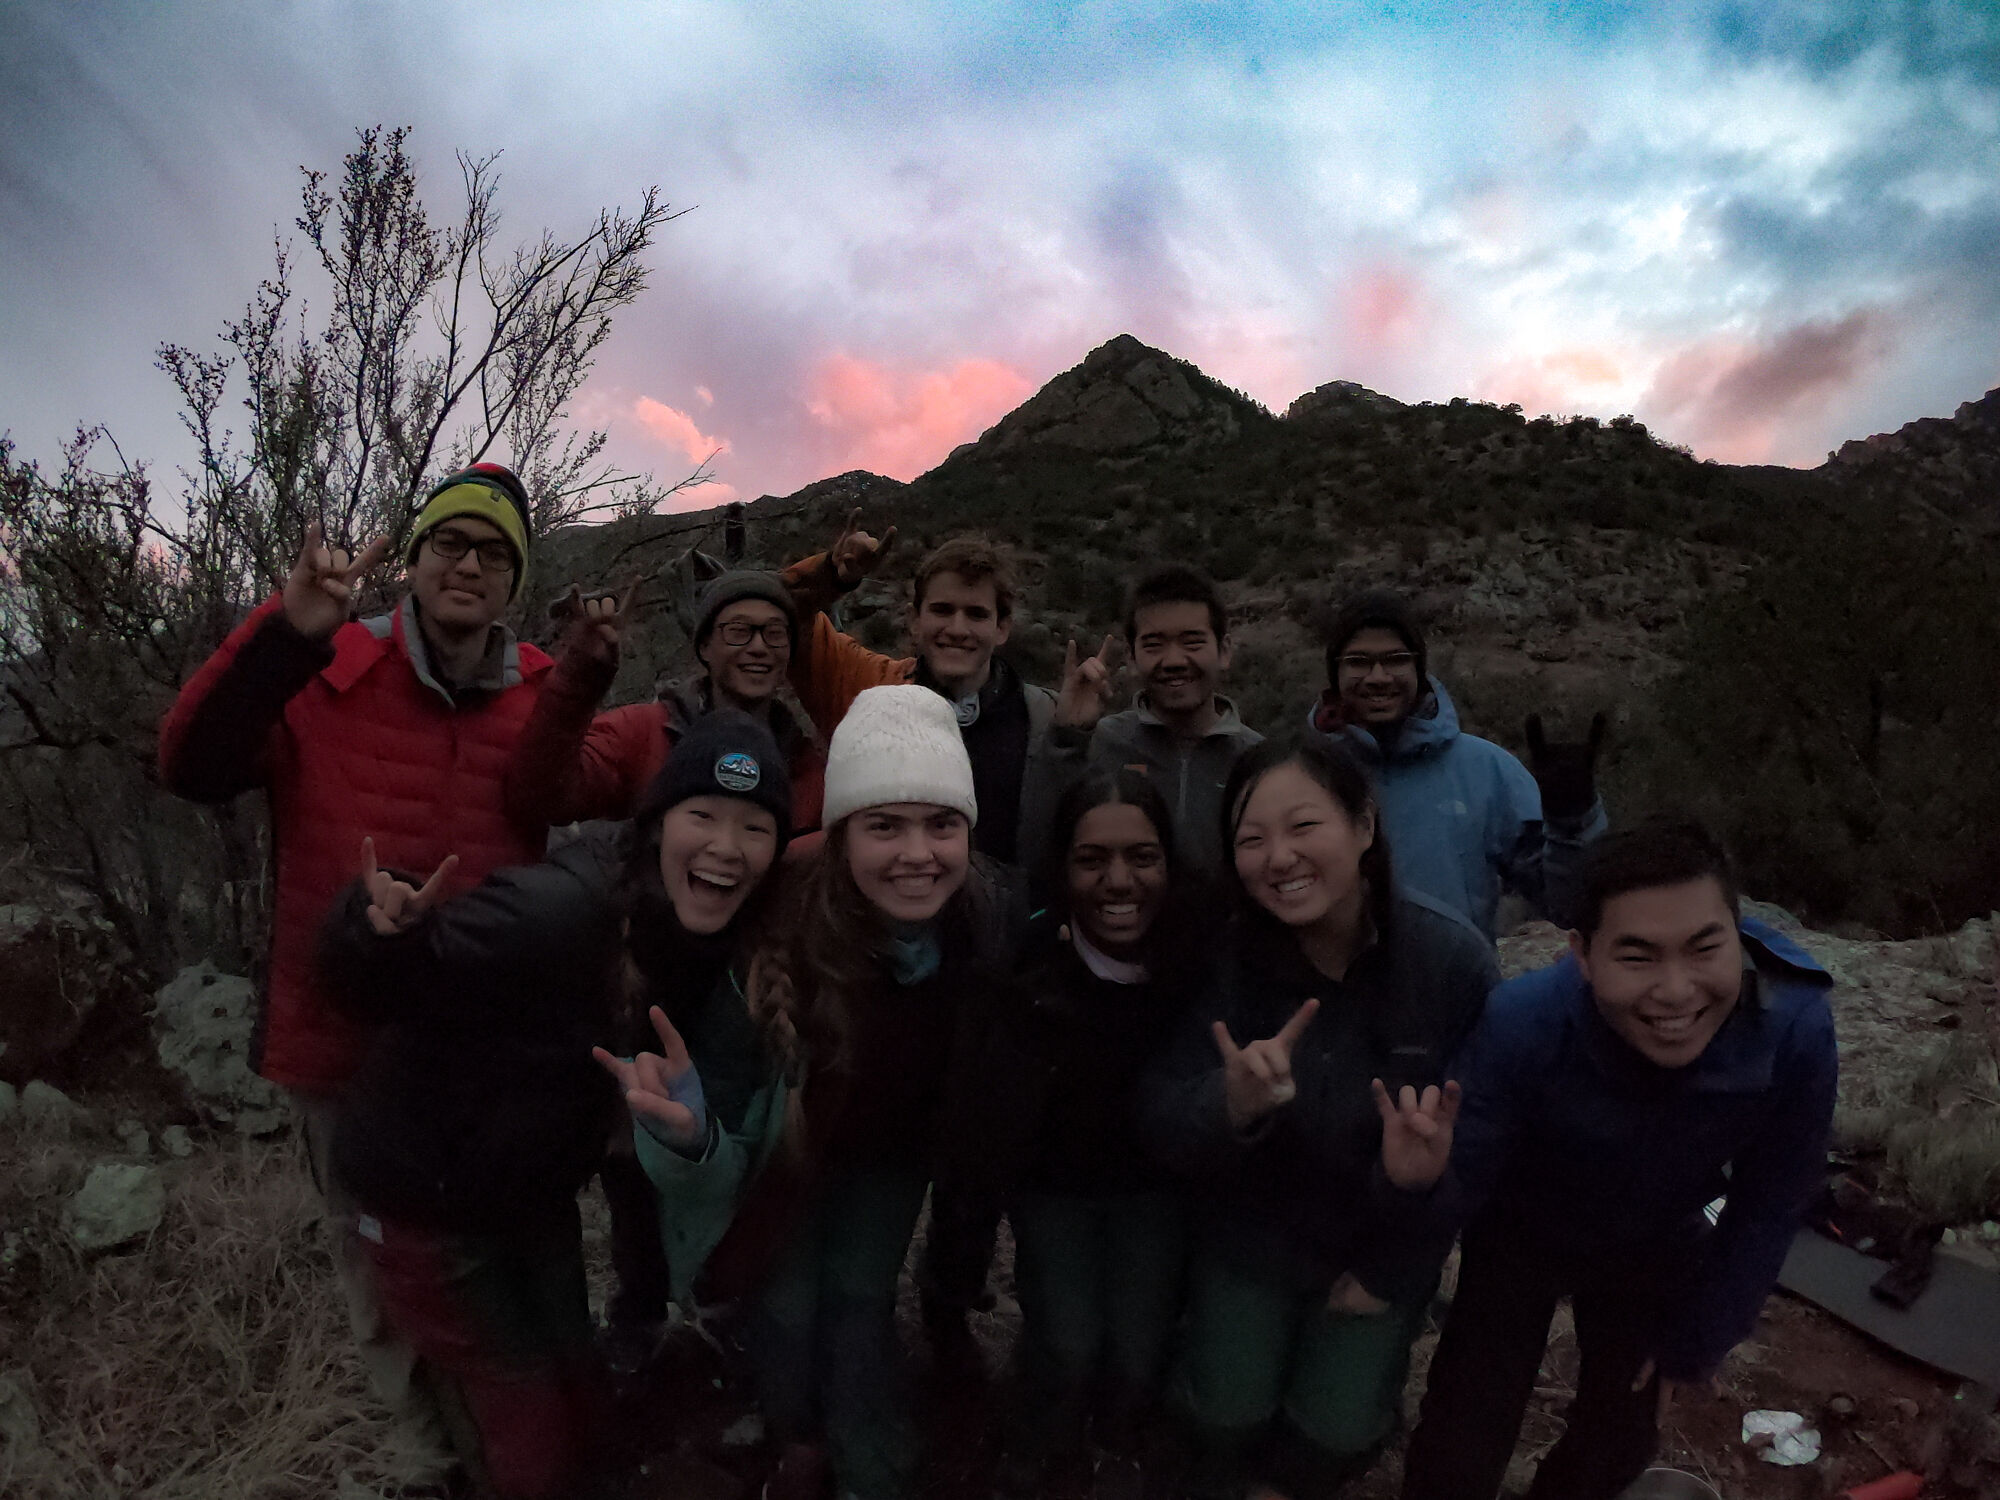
pixel 1464 817
pixel 1571 1136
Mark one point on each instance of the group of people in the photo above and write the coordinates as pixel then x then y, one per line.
pixel 1214 1023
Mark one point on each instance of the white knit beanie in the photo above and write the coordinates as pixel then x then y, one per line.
pixel 897 744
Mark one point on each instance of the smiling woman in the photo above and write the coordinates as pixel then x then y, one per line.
pixel 1307 1088
pixel 894 954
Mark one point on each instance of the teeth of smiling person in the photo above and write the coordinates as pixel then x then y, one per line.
pixel 1122 909
pixel 1293 887
pixel 721 882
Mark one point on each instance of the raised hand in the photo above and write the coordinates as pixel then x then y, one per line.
pixel 1416 1133
pixel 1086 686
pixel 1351 1297
pixel 662 1087
pixel 320 589
pixel 1258 1078
pixel 395 905
pixel 597 624
pixel 855 554
pixel 1566 773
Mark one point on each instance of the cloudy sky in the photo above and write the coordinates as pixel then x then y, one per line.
pixel 1761 227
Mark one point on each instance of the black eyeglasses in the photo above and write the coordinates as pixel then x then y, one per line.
pixel 1361 663
pixel 776 633
pixel 495 556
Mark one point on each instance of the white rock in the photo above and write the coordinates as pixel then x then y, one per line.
pixel 20 1422
pixel 204 1019
pixel 747 1431
pixel 46 1105
pixel 118 1203
pixel 175 1142
pixel 133 1137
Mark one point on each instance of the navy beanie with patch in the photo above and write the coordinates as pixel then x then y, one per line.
pixel 1378 608
pixel 725 753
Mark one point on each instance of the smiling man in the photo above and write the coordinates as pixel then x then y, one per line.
pixel 574 764
pixel 1464 817
pixel 1680 1054
pixel 1181 731
pixel 961 613
pixel 395 728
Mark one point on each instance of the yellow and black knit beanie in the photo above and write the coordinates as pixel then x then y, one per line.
pixel 487 492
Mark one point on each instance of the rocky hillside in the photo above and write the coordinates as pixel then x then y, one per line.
pixel 1951 462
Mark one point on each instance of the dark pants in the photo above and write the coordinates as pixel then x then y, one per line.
pixel 821 1335
pixel 1491 1352
pixel 502 1323
pixel 1099 1280
pixel 1278 1383
pixel 958 1253
pixel 637 1256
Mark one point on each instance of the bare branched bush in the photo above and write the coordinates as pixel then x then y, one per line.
pixel 430 346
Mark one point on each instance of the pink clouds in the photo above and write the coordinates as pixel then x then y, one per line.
pixel 1569 380
pixel 677 430
pixel 1740 400
pixel 1384 310
pixel 901 423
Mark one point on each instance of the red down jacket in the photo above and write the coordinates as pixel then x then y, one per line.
pixel 349 739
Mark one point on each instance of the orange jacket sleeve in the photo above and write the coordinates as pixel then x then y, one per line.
pixel 830 670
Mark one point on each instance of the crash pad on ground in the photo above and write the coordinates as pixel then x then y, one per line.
pixel 1954 1326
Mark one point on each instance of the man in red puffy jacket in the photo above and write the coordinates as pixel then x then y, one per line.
pixel 398 728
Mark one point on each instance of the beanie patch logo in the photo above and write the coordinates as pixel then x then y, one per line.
pixel 738 772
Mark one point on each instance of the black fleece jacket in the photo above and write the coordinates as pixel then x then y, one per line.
pixel 1303 1198
pixel 478 1107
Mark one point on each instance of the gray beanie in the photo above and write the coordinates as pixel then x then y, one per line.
pixel 742 583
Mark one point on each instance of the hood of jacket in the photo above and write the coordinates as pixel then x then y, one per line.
pixel 1430 728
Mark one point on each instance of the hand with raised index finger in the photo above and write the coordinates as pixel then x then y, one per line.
pixel 1416 1132
pixel 855 554
pixel 1086 685
pixel 663 1089
pixel 394 905
pixel 1258 1078
pixel 319 591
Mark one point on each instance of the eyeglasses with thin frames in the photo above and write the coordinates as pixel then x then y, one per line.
pixel 495 556
pixel 1361 663
pixel 776 633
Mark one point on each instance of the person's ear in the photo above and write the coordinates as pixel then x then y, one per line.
pixel 1579 949
pixel 1004 629
pixel 1222 655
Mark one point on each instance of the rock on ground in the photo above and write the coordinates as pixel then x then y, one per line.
pixel 60 956
pixel 204 1020
pixel 118 1203
pixel 20 1422
pixel 48 1107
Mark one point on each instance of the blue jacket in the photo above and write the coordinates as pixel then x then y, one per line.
pixel 1464 817
pixel 1570 1136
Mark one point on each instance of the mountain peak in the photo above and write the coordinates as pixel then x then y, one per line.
pixel 1124 397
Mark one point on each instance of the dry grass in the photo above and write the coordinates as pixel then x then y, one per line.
pixel 1937 1123
pixel 211 1361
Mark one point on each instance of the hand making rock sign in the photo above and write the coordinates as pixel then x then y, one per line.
pixel 319 591
pixel 1258 1078
pixel 395 905
pixel 855 554
pixel 598 623
pixel 662 1087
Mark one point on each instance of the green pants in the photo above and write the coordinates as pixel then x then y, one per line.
pixel 1255 1348
pixel 1099 1280
pixel 822 1336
